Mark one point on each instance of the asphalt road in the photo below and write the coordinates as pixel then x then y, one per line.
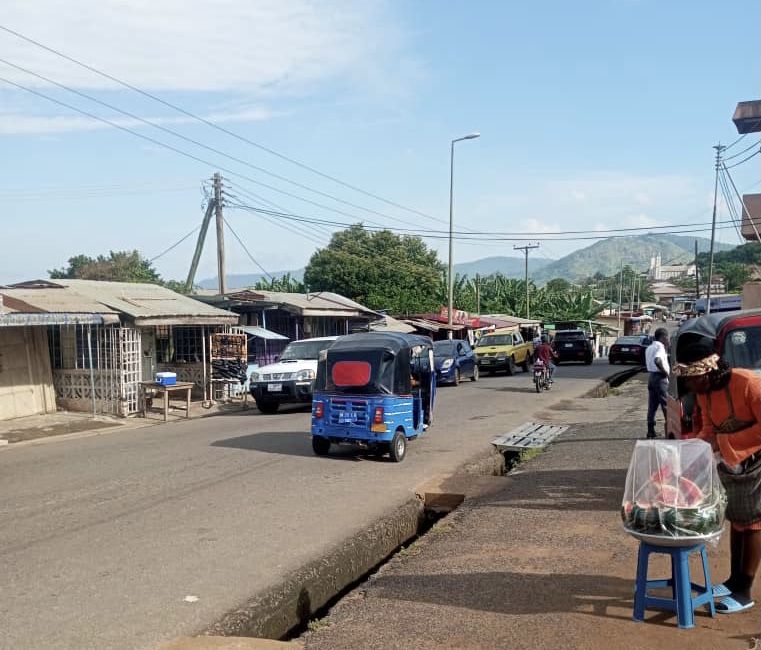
pixel 125 540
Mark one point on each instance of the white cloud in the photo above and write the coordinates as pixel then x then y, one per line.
pixel 229 45
pixel 27 124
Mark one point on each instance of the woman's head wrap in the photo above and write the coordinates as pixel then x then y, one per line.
pixel 696 359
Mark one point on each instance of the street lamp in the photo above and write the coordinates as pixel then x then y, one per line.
pixel 470 136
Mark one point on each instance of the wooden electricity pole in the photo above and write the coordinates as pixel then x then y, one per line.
pixel 525 250
pixel 220 234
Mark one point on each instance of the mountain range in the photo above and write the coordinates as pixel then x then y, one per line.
pixel 604 256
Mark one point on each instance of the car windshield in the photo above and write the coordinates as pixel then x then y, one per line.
pixel 495 339
pixel 443 348
pixel 306 349
pixel 629 340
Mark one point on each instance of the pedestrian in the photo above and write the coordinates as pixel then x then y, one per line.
pixel 657 362
pixel 730 404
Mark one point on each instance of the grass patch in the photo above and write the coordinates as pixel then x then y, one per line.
pixel 439 529
pixel 317 624
pixel 410 551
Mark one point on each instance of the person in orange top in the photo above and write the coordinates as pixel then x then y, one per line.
pixel 730 404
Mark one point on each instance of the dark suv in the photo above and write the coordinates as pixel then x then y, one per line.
pixel 573 345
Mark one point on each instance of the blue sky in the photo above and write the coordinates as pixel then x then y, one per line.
pixel 594 115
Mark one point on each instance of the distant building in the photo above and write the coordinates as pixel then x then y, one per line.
pixel 659 271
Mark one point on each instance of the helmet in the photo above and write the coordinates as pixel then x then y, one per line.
pixel 545 338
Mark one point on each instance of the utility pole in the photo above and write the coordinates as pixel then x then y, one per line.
pixel 620 297
pixel 719 149
pixel 697 273
pixel 199 246
pixel 525 250
pixel 220 234
pixel 478 295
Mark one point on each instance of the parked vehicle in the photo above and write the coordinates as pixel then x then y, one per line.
pixel 541 376
pixel 291 378
pixel 737 337
pixel 573 345
pixel 375 390
pixel 503 349
pixel 454 360
pixel 629 349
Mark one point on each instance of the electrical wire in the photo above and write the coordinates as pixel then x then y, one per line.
pixel 744 160
pixel 153 259
pixel 740 153
pixel 197 143
pixel 235 234
pixel 216 126
pixel 729 146
pixel 470 236
pixel 180 151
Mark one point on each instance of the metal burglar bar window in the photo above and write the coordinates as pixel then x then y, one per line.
pixel 179 344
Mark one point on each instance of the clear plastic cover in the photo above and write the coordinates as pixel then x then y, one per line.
pixel 673 490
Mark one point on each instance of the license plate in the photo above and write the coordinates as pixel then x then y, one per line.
pixel 567 345
pixel 274 388
pixel 624 349
pixel 486 361
pixel 347 418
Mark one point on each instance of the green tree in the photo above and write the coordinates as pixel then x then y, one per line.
pixel 558 285
pixel 735 274
pixel 284 284
pixel 381 270
pixel 122 266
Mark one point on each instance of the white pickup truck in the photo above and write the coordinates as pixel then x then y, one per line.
pixel 291 378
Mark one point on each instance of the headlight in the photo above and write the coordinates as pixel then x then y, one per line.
pixel 305 374
pixel 254 376
pixel 501 355
pixel 447 364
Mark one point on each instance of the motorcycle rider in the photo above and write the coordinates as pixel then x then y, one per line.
pixel 546 354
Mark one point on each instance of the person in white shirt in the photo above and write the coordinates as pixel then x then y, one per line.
pixel 657 362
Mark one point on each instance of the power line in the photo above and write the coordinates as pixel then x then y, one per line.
pixel 216 126
pixel 196 142
pixel 753 155
pixel 235 234
pixel 180 151
pixel 153 259
pixel 740 153
pixel 470 236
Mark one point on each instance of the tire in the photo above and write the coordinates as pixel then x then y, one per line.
pixel 320 445
pixel 475 374
pixel 398 447
pixel 511 366
pixel 267 406
pixel 588 361
pixel 525 365
pixel 538 385
pixel 456 377
pixel 611 362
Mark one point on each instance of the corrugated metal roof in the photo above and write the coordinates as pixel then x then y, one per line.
pixel 51 300
pixel 142 300
pixel 322 303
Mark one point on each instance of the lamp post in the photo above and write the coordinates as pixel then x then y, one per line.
pixel 450 276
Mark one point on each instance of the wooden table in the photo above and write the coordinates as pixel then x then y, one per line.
pixel 145 386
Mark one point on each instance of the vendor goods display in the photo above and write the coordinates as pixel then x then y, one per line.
pixel 673 490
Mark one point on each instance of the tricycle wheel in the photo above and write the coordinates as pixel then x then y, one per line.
pixel 320 445
pixel 398 447
pixel 475 374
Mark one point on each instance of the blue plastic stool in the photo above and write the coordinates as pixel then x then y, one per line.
pixel 682 601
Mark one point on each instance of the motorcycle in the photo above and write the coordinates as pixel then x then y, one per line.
pixel 541 376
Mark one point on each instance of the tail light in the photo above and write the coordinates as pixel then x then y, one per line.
pixel 319 410
pixel 378 415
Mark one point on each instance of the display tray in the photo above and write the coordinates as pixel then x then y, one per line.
pixel 668 540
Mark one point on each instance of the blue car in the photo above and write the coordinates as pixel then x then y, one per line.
pixel 454 360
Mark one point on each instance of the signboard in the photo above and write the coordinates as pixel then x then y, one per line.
pixel 459 317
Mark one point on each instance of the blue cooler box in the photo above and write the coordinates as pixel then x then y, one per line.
pixel 166 378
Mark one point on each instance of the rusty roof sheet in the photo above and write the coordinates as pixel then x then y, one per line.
pixel 144 303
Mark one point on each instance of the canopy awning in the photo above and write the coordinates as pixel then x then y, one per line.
pixel 262 333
